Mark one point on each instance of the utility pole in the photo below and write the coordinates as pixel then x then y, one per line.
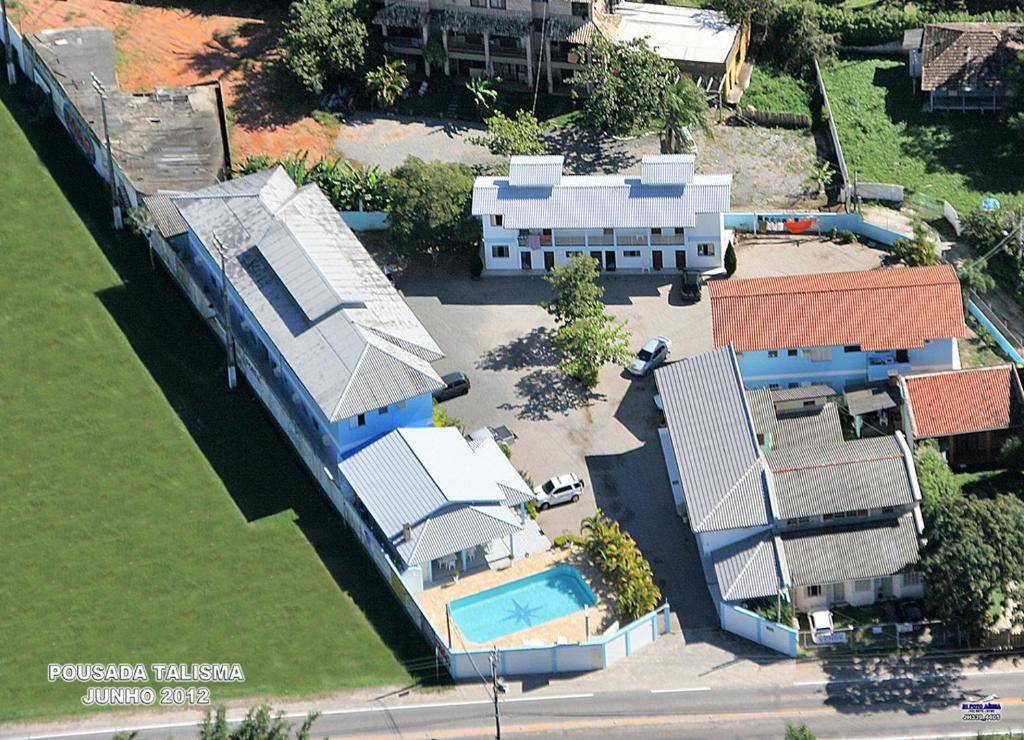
pixel 102 92
pixel 1017 231
pixel 494 692
pixel 229 340
pixel 12 79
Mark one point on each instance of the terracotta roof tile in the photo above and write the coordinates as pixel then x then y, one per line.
pixel 954 55
pixel 965 401
pixel 896 308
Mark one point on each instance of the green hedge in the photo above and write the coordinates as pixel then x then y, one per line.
pixel 880 25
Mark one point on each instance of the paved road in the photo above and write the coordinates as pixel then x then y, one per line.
pixel 862 706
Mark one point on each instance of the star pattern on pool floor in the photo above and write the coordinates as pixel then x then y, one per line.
pixel 521 613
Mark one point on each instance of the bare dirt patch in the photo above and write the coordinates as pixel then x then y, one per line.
pixel 160 45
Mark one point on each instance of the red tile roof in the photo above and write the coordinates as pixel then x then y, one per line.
pixel 965 401
pixel 968 55
pixel 895 308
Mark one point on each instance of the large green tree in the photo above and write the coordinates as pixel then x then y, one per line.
pixel 323 40
pixel 685 111
pixel 587 337
pixel 622 85
pixel 972 558
pixel 387 82
pixel 575 292
pixel 590 343
pixel 430 207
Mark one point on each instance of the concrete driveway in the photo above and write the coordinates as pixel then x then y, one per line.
pixel 495 331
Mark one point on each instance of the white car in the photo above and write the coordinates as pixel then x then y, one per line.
pixel 559 490
pixel 650 356
pixel 821 624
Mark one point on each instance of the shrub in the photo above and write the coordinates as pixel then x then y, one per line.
pixel 568 538
pixel 916 252
pixel 430 207
pixel 936 480
pixel 730 260
pixel 518 135
pixel 845 237
pixel 616 555
pixel 443 419
pixel 531 509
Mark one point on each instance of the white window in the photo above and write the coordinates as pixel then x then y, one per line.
pixel 813 591
pixel 819 354
pixel 499 251
pixel 706 249
pixel 497 219
pixel 357 421
pixel 773 353
pixel 631 253
pixel 913 578
pixel 862 587
pixel 382 410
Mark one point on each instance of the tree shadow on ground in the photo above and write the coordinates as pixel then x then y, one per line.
pixel 885 683
pixel 589 152
pixel 977 146
pixel 533 349
pixel 232 431
pixel 548 392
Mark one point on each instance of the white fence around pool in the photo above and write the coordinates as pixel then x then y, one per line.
pixel 580 657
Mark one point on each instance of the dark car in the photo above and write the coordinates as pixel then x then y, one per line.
pixel 455 385
pixel 689 286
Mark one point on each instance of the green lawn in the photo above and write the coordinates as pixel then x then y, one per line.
pixel 959 157
pixel 777 91
pixel 149 513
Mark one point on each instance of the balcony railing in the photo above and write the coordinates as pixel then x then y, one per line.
pixel 461 47
pixel 508 52
pixel 601 240
pixel 404 42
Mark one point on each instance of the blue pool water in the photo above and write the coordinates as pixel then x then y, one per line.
pixel 524 603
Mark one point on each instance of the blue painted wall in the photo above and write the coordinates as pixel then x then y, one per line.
pixel 747 221
pixel 331 441
pixel 760 369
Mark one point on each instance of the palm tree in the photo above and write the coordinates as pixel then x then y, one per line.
pixel 387 82
pixel 483 93
pixel 685 109
pixel 974 278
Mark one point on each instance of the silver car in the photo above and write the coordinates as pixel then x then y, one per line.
pixel 650 356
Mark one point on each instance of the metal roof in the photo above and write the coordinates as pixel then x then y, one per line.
pixel 748 569
pixel 451 495
pixel 601 201
pixel 866 550
pixel 165 139
pixel 721 469
pixel 527 171
pixel 843 476
pixel 798 428
pixel 893 308
pixel 867 399
pixel 166 217
pixel 366 354
pixel 803 393
pixel 680 34
pixel 667 169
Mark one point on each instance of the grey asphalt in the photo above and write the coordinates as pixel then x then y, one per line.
pixel 854 706
pixel 494 330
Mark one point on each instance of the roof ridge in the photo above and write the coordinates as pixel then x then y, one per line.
pixel 750 560
pixel 834 463
pixel 958 371
pixel 755 465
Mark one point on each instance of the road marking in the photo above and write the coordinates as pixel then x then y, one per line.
pixel 302 715
pixel 680 691
pixel 909 677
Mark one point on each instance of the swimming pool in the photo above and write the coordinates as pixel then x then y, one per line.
pixel 527 602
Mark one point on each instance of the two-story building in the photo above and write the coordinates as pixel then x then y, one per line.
pixel 521 40
pixel 781 505
pixel 666 219
pixel 840 328
pixel 316 328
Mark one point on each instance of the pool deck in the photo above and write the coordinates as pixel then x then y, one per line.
pixel 571 628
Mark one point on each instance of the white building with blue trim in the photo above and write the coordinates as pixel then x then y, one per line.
pixel 666 219
pixel 841 328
